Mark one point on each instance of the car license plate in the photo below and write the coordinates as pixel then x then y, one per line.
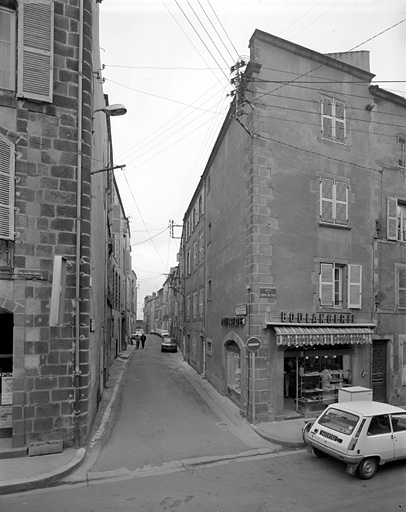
pixel 328 435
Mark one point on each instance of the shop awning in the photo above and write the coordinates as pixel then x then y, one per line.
pixel 293 336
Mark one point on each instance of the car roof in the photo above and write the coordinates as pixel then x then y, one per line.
pixel 367 407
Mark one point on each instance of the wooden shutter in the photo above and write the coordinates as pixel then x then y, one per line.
pixel 35 49
pixel 392 220
pixel 326 200
pixel 327 118
pixel 354 286
pixel 341 203
pixel 401 286
pixel 339 122
pixel 326 284
pixel 7 185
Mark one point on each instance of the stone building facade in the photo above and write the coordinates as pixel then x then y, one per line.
pixel 54 232
pixel 294 192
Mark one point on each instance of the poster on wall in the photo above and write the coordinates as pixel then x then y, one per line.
pixel 6 390
pixel 5 416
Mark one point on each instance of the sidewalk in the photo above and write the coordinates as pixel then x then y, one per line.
pixel 21 473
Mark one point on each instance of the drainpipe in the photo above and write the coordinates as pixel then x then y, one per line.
pixel 78 231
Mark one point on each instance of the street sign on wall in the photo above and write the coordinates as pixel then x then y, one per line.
pixel 253 344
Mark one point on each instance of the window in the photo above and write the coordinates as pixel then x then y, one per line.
pixel 201 248
pixel 209 289
pixel 7 160
pixel 333 202
pixel 332 289
pixel 194 305
pixel 188 307
pixel 209 233
pixel 402 151
pixel 396 219
pixel 400 287
pixel 195 255
pixel 7 49
pixel 201 301
pixel 188 263
pixel 333 120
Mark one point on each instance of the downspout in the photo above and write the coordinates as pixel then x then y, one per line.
pixel 78 231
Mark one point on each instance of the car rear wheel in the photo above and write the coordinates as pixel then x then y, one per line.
pixel 319 453
pixel 367 468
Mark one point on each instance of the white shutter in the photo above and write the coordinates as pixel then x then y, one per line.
pixel 326 277
pixel 326 200
pixel 401 286
pixel 327 118
pixel 35 49
pixel 339 122
pixel 341 203
pixel 392 221
pixel 7 185
pixel 354 286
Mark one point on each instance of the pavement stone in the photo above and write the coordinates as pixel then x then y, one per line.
pixel 25 473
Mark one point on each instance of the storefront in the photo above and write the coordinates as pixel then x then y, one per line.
pixel 317 361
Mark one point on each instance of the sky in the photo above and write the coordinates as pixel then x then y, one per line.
pixel 168 62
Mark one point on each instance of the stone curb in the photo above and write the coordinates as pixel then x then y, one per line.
pixel 282 442
pixel 26 484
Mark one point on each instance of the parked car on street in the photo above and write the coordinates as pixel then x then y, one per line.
pixel 169 344
pixel 363 434
pixel 162 332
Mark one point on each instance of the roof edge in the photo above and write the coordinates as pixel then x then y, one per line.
pixel 311 54
pixel 376 91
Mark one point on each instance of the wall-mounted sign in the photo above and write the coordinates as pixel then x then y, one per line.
pixel 267 293
pixel 238 321
pixel 318 318
pixel 240 310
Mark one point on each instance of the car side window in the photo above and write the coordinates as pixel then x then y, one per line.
pixel 379 425
pixel 399 422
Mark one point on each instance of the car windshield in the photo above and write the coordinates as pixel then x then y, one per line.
pixel 340 421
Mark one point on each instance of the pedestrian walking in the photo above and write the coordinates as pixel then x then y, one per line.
pixel 137 342
pixel 143 338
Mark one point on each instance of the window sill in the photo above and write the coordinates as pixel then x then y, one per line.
pixel 334 226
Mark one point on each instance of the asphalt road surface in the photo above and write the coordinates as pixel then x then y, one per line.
pixel 163 455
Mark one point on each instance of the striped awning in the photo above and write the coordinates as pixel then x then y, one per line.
pixel 294 336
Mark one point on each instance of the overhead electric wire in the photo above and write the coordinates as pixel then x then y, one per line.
pixel 149 239
pixel 214 28
pixel 224 30
pixel 201 39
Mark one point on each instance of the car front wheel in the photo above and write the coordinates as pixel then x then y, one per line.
pixel 367 468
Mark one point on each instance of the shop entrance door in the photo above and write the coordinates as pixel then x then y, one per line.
pixel 379 361
pixel 233 372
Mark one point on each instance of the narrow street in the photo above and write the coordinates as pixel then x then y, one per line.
pixel 163 455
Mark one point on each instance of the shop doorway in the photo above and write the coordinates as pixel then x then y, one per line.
pixel 379 362
pixel 233 372
pixel 6 373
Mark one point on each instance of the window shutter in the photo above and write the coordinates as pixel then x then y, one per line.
pixel 401 286
pixel 354 286
pixel 326 200
pixel 339 122
pixel 327 118
pixel 6 189
pixel 392 221
pixel 35 49
pixel 326 284
pixel 341 190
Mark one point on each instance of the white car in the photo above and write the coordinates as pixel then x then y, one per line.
pixel 364 434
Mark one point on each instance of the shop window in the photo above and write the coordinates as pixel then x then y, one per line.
pixel 333 120
pixel 333 202
pixel 194 348
pixel 396 219
pixel 333 285
pixel 233 363
pixel 321 373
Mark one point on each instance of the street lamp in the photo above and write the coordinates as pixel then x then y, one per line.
pixel 113 110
